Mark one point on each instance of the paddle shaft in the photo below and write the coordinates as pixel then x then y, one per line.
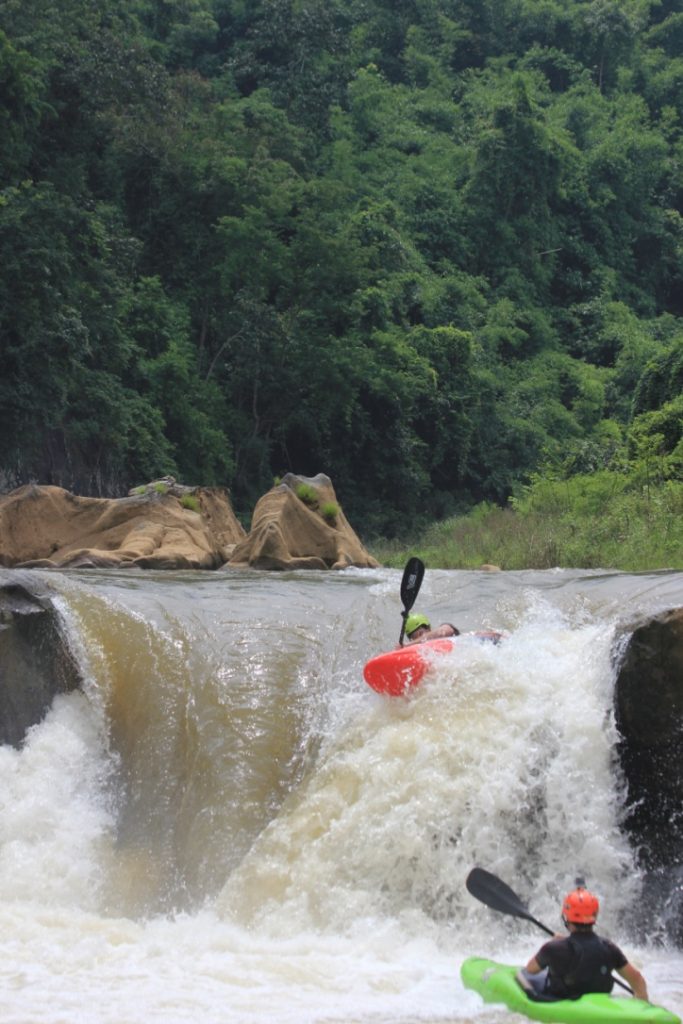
pixel 410 587
pixel 492 891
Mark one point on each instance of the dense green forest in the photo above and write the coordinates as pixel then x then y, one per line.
pixel 432 248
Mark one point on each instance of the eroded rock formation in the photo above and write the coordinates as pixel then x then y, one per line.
pixel 52 528
pixel 163 525
pixel 300 525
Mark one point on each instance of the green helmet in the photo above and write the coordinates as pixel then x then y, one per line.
pixel 414 622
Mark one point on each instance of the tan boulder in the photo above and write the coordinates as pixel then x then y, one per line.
pixel 50 527
pixel 299 525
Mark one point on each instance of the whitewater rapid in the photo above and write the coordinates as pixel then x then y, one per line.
pixel 227 824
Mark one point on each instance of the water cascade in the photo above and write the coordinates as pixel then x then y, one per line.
pixel 225 823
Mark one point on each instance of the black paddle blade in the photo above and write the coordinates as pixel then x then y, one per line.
pixel 492 891
pixel 411 582
pixel 410 586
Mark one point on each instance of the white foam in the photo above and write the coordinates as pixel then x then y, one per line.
pixel 351 906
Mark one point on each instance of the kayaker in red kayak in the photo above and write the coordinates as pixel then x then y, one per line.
pixel 418 629
pixel 573 965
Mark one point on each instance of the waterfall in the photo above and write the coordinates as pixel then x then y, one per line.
pixel 226 820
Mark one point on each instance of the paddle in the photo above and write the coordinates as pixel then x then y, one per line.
pixel 410 587
pixel 492 891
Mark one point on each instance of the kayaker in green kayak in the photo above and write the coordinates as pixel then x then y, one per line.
pixel 570 966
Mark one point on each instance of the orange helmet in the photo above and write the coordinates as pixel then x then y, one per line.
pixel 580 907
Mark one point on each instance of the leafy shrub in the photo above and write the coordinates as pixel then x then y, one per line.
pixel 601 520
pixel 308 495
pixel 329 512
pixel 190 501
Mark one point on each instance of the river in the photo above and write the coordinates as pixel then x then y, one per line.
pixel 228 825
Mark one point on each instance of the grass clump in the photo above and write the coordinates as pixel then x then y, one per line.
pixel 190 501
pixel 330 512
pixel 307 494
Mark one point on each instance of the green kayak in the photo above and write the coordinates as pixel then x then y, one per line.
pixel 496 983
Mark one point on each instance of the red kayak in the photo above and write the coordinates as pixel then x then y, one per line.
pixel 395 672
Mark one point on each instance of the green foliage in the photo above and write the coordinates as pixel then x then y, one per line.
pixel 661 379
pixel 656 442
pixel 431 248
pixel 22 107
pixel 190 501
pixel 599 521
pixel 307 494
pixel 330 512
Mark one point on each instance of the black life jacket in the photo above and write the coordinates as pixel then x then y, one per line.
pixel 589 971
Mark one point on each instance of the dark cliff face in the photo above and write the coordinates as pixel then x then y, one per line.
pixel 649 716
pixel 35 662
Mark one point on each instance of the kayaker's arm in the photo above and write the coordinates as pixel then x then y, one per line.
pixel 494 635
pixel 635 979
pixel 534 967
pixel 442 631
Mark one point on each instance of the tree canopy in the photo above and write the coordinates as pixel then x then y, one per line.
pixel 428 247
